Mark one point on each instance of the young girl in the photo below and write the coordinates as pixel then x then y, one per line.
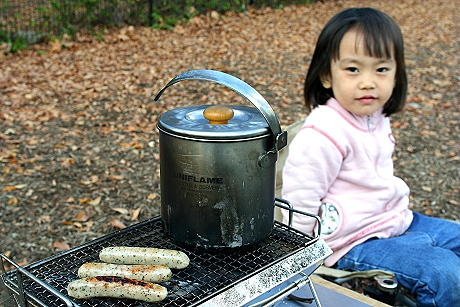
pixel 340 163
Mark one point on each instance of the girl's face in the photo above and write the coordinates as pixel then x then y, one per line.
pixel 361 84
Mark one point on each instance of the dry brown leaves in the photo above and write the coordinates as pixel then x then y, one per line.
pixel 78 139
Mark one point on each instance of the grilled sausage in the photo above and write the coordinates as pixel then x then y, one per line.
pixel 153 273
pixel 144 255
pixel 117 287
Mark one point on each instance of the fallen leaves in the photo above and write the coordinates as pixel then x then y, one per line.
pixel 95 202
pixel 121 210
pixel 92 202
pixel 67 162
pixel 428 133
pixel 13 201
pixel 82 216
pixel 442 82
pixel 152 196
pixel 56 46
pixel 118 224
pixel 93 179
pixel 80 226
pixel 133 214
pixel 124 33
pixel 7 266
pixel 78 120
pixel 61 245
pixel 429 211
pixel 14 187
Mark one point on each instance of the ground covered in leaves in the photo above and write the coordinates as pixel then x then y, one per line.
pixel 79 154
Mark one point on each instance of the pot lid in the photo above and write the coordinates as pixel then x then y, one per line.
pixel 237 122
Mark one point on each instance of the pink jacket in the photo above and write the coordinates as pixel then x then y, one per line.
pixel 346 160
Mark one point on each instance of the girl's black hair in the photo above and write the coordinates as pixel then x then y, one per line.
pixel 382 37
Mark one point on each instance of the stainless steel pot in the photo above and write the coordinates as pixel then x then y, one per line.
pixel 218 168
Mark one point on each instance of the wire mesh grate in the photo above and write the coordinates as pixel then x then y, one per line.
pixel 209 272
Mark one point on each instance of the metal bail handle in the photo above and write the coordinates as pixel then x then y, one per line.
pixel 245 90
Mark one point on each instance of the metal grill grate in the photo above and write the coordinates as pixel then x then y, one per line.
pixel 209 272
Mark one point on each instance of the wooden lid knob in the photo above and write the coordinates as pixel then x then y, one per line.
pixel 218 115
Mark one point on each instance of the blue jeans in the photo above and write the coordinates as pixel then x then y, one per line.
pixel 425 259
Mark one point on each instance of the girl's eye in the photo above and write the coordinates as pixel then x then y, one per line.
pixel 353 69
pixel 382 69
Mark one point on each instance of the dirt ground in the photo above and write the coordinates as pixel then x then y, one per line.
pixel 79 154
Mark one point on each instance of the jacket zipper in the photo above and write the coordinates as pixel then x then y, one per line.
pixel 370 127
pixel 370 123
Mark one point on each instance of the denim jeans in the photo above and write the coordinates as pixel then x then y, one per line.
pixel 425 259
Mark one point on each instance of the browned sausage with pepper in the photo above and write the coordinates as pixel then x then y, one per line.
pixel 152 273
pixel 144 255
pixel 117 287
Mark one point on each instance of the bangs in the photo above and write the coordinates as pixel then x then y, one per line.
pixel 377 43
pixel 379 33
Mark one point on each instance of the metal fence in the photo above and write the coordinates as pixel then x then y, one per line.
pixel 34 19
